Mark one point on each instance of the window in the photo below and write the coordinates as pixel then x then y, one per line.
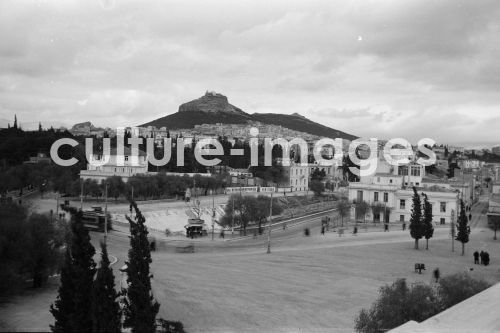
pixel 376 217
pixel 401 218
pixel 378 179
pixel 375 196
pixel 390 181
pixel 402 204
pixel 442 220
pixel 442 207
pixel 359 196
pixel 126 158
pixel 415 170
pixel 386 197
pixel 403 171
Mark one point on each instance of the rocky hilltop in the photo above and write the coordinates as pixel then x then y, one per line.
pixel 213 108
pixel 210 102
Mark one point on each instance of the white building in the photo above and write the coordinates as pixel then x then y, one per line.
pixel 297 176
pixel 391 189
pixel 125 165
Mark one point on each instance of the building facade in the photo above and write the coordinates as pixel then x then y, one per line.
pixel 125 166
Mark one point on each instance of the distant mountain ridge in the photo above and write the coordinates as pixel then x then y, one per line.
pixel 214 108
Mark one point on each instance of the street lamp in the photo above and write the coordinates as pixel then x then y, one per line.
pixel 270 220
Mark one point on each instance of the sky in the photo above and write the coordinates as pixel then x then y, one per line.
pixel 385 69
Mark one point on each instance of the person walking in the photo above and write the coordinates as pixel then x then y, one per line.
pixel 481 257
pixel 404 226
pixel 476 257
pixel 323 230
pixel 436 274
pixel 486 260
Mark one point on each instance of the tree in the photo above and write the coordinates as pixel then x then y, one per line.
pixel 140 306
pixel 427 221
pixel 13 237
pixel 463 230
pixel 376 208
pixel 343 208
pixel 106 313
pixel 317 187
pixel 318 174
pixel 71 308
pixel 396 305
pixel 362 209
pixel 43 254
pixel 416 230
pixel 455 288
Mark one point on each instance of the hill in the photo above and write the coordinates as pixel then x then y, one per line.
pixel 214 108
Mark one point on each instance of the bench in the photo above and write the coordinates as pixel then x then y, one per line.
pixel 185 249
pixel 419 267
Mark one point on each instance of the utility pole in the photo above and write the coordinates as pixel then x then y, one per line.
pixel 232 219
pixel 270 220
pixel 105 212
pixel 213 215
pixel 452 230
pixel 81 194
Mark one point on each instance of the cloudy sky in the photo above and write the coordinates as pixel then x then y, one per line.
pixel 396 68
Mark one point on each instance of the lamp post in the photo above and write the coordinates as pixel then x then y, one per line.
pixel 270 220
pixel 105 212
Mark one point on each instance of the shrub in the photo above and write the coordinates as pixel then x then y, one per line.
pixel 453 289
pixel 399 303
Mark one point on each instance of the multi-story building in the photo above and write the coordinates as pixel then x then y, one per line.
pixel 496 150
pixel 125 166
pixel 297 176
pixel 390 190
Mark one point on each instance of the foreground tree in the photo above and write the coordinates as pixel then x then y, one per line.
pixel 416 230
pixel 453 289
pixel 396 305
pixel 140 306
pixel 106 314
pixel 463 230
pixel 43 254
pixel 71 308
pixel 400 303
pixel 427 221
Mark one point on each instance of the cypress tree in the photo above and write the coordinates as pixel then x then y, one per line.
pixel 106 313
pixel 463 229
pixel 64 306
pixel 71 309
pixel 427 221
pixel 416 218
pixel 140 306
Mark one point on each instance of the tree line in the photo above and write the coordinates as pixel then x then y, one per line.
pixel 241 211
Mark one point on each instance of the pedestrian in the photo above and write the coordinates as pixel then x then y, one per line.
pixel 486 260
pixel 476 257
pixel 481 257
pixel 222 233
pixel 386 227
pixel 355 231
pixel 404 226
pixel 436 274
pixel 323 230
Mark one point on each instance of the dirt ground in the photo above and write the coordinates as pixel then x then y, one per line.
pixel 307 284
